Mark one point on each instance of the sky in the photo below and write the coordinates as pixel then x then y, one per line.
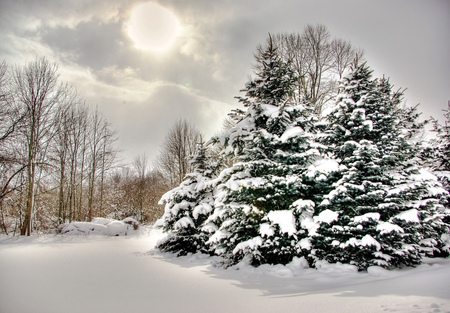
pixel 147 64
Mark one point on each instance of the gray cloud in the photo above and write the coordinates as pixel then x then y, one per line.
pixel 143 94
pixel 143 125
pixel 92 43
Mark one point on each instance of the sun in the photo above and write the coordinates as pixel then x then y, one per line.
pixel 152 27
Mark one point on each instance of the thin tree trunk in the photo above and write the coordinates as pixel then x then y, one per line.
pixel 26 227
pixel 3 217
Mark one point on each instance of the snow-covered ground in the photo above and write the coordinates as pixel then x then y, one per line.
pixel 96 274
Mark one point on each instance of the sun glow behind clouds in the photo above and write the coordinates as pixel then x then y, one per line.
pixel 152 27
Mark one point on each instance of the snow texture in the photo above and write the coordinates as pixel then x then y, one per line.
pixel 266 230
pixel 284 219
pixel 386 227
pixel 362 218
pixel 367 240
pixel 326 216
pixel 74 274
pixel 322 168
pixel 251 244
pixel 409 216
pixel 201 209
pixel 184 222
pixel 291 132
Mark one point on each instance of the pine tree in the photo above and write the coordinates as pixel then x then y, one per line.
pixel 187 207
pixel 272 145
pixel 443 136
pixel 437 154
pixel 385 209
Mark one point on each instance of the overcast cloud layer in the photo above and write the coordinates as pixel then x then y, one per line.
pixel 143 93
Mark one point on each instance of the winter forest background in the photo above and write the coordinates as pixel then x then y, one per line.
pixel 322 161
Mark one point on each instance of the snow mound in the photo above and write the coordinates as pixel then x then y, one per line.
pixel 83 228
pixel 378 271
pixel 326 267
pixel 101 226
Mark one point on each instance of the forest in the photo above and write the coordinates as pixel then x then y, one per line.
pixel 321 160
pixel 58 160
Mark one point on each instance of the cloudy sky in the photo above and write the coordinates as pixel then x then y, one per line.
pixel 145 71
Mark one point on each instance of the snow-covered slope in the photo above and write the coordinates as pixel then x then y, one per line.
pixel 95 274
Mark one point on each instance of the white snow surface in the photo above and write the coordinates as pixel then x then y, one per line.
pixel 324 167
pixel 97 273
pixel 409 216
pixel 367 240
pixel 312 224
pixel 251 244
pixel 291 132
pixel 284 219
pixel 201 209
pixel 326 216
pixel 266 230
pixel 184 222
pixel 362 218
pixel 386 227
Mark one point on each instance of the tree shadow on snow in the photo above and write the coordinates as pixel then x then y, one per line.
pixel 431 279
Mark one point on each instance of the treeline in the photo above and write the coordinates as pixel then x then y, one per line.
pixel 58 159
pixel 59 162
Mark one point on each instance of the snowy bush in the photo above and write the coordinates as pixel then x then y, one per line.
pixel 101 226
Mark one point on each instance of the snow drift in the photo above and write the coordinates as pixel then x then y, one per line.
pixel 101 226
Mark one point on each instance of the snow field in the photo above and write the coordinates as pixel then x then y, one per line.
pixel 54 274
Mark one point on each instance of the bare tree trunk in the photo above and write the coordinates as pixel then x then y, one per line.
pixel 26 227
pixel 3 217
pixel 93 162
pixel 83 158
pixel 101 156
pixel 102 179
pixel 140 164
pixel 61 202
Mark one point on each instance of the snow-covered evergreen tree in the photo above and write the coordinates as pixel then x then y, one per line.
pixel 437 156
pixel 272 143
pixel 383 209
pixel 437 153
pixel 186 209
pixel 443 137
pixel 356 194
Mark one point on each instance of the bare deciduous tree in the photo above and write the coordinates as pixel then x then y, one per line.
pixel 317 60
pixel 55 153
pixel 137 192
pixel 9 119
pixel 11 162
pixel 140 164
pixel 71 125
pixel 101 155
pixel 36 93
pixel 180 143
